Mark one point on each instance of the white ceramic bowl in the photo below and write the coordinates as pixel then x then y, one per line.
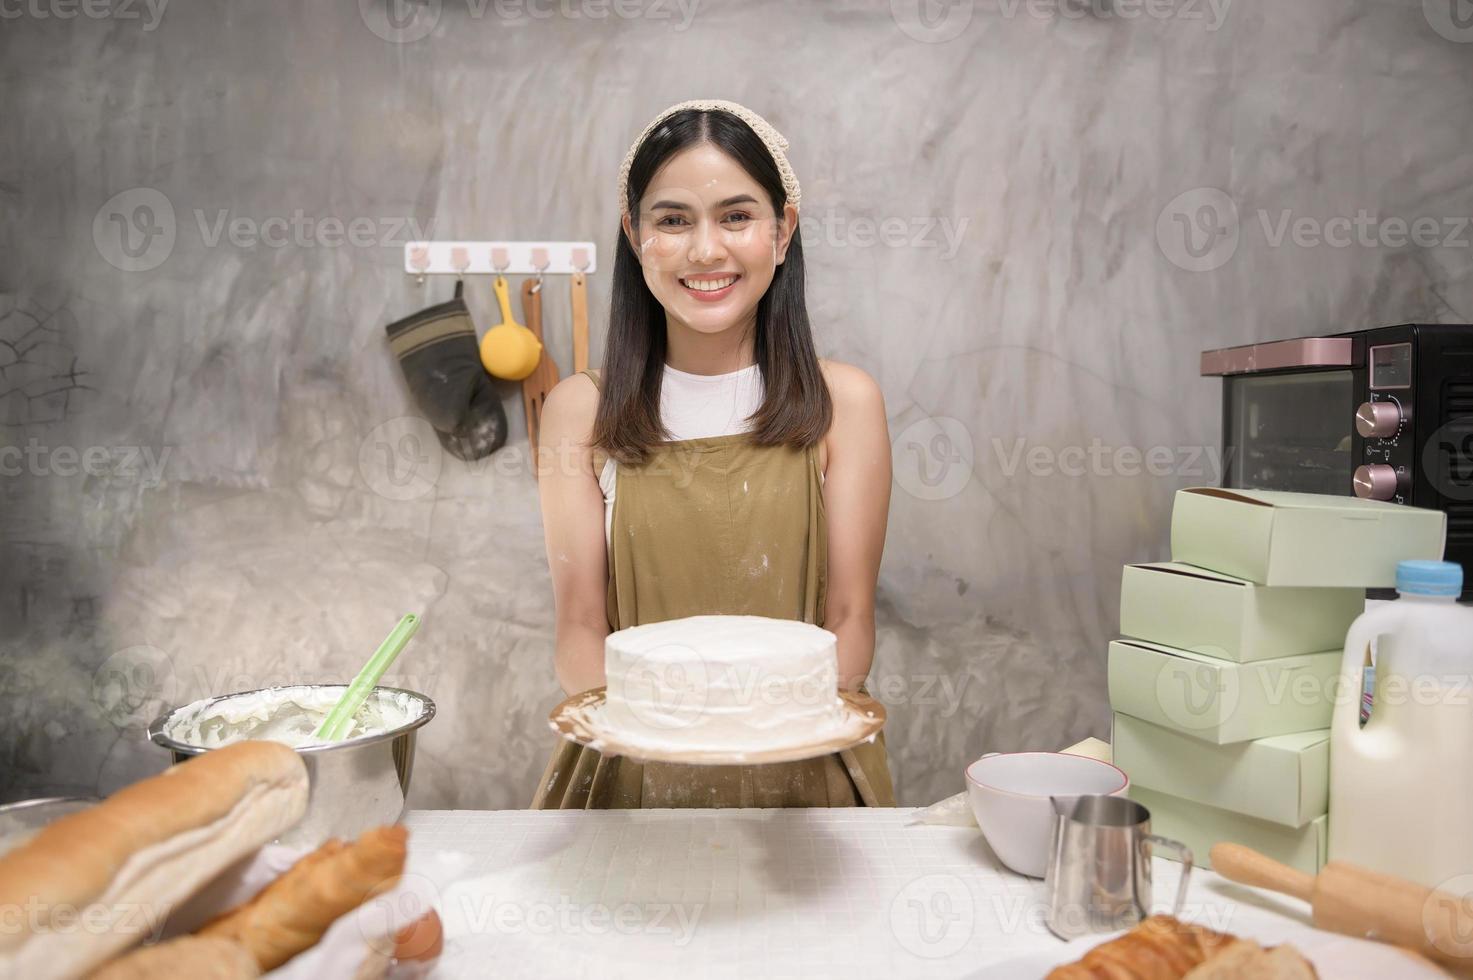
pixel 1010 792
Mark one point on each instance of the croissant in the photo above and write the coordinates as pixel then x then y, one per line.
pixel 1163 948
pixel 1249 961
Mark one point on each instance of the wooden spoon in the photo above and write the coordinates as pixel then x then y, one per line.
pixel 580 323
pixel 543 377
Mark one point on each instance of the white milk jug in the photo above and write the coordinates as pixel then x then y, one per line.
pixel 1401 788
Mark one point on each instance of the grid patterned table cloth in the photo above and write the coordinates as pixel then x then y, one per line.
pixel 744 893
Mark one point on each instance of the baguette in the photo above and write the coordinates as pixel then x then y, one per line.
pixel 291 914
pixel 195 957
pixel 98 881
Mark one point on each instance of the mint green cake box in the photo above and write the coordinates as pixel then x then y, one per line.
pixel 1202 611
pixel 1302 539
pixel 1284 779
pixel 1220 701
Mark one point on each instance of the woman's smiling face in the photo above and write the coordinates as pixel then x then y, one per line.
pixel 708 239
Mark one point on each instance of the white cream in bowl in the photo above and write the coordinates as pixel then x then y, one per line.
pixel 290 715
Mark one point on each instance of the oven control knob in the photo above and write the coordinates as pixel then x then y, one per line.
pixel 1376 482
pixel 1378 420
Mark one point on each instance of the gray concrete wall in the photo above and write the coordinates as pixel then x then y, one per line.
pixel 206 434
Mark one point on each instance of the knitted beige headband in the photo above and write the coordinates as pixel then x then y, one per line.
pixel 774 141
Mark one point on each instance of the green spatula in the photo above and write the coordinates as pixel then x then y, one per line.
pixel 339 720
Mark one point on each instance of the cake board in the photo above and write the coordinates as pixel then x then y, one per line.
pixel 581 719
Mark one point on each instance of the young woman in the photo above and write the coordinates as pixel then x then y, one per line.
pixel 715 465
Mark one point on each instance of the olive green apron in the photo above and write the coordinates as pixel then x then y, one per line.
pixel 716 526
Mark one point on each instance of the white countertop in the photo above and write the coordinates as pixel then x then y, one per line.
pixel 763 893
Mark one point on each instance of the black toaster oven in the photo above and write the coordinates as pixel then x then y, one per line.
pixel 1384 413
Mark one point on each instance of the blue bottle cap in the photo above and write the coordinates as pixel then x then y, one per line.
pixel 1429 577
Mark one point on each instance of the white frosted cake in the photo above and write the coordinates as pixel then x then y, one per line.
pixel 746 682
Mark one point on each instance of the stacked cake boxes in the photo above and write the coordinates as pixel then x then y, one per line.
pixel 1224 682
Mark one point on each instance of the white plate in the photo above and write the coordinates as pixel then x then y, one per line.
pixel 1335 957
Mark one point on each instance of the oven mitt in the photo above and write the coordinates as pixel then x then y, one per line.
pixel 441 360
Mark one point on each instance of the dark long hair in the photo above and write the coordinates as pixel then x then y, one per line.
pixel 796 409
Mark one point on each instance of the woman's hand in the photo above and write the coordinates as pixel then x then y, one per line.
pixel 856 493
pixel 573 526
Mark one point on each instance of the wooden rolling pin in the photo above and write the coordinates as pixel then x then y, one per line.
pixel 1356 902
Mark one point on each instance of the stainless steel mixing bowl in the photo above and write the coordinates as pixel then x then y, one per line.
pixel 354 785
pixel 20 821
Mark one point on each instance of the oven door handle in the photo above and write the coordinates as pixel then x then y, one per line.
pixel 1305 352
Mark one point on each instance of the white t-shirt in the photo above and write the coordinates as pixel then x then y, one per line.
pixel 695 406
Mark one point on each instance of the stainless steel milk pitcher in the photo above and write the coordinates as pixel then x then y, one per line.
pixel 1099 868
